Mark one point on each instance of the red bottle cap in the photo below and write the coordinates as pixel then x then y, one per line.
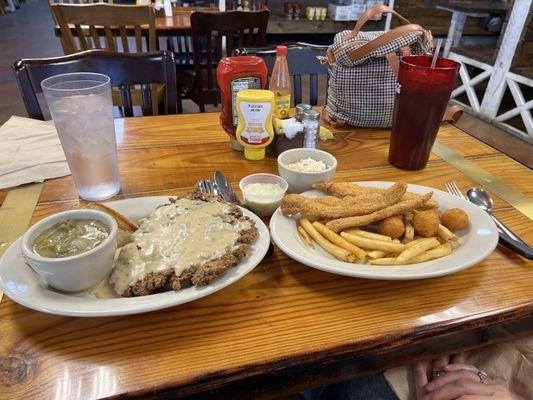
pixel 281 50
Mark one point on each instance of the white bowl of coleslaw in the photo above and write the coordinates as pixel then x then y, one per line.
pixel 302 168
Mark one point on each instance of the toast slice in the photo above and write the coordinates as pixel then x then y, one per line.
pixel 125 225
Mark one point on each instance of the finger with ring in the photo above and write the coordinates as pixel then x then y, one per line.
pixel 482 376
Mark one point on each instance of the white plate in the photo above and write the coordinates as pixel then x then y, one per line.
pixel 477 242
pixel 25 287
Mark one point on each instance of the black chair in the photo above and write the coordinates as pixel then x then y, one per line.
pixel 209 30
pixel 302 60
pixel 125 70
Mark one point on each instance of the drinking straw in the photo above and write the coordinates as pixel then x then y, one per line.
pixel 436 53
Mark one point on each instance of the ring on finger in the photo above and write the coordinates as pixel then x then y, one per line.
pixel 482 376
pixel 436 374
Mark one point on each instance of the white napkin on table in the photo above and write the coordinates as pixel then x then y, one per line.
pixel 30 151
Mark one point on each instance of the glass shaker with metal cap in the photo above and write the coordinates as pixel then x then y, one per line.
pixel 300 109
pixel 311 123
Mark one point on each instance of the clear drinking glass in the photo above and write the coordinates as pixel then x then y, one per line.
pixel 82 110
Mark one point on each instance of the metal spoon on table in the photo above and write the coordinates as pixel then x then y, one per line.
pixel 483 200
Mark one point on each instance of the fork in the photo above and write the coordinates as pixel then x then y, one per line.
pixel 506 237
pixel 452 188
pixel 206 186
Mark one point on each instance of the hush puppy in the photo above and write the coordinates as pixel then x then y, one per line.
pixel 392 226
pixel 454 219
pixel 426 223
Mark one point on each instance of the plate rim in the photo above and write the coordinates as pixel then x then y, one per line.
pixel 261 250
pixel 415 275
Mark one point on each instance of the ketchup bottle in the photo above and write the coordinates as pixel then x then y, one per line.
pixel 233 75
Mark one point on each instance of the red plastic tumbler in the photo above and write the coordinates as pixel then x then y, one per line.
pixel 422 95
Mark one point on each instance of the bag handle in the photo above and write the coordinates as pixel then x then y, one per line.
pixel 452 114
pixel 371 12
pixel 382 40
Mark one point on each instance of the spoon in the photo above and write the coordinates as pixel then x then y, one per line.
pixel 483 200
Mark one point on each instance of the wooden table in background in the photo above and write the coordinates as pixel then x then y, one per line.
pixel 284 326
pixel 180 24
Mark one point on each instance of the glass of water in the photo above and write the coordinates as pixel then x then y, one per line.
pixel 82 110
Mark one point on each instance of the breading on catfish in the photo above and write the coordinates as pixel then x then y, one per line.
pixel 402 207
pixel 345 207
pixel 343 189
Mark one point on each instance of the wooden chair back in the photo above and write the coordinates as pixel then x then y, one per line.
pixel 209 32
pixel 302 61
pixel 100 26
pixel 124 70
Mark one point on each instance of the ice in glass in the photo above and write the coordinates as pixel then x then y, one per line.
pixel 82 110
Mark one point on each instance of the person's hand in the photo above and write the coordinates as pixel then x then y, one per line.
pixel 464 382
pixel 420 371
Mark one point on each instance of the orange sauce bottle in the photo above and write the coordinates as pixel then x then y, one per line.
pixel 280 83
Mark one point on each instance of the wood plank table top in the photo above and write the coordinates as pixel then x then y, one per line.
pixel 284 326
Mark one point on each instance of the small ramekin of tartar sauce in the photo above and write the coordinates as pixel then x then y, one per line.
pixel 263 192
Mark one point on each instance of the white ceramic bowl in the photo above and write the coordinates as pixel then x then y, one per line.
pixel 264 206
pixel 79 272
pixel 301 181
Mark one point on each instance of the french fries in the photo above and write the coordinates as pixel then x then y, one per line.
pixel 414 242
pixel 370 235
pixel 305 236
pixel 345 222
pixel 437 252
pixel 338 252
pixel 372 244
pixel 383 261
pixel 409 234
pixel 376 254
pixel 339 241
pixel 415 250
pixel 445 234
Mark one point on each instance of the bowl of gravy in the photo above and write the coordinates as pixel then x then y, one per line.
pixel 72 250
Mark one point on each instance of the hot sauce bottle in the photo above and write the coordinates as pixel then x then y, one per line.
pixel 233 75
pixel 280 83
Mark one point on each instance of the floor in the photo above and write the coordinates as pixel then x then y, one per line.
pixel 29 33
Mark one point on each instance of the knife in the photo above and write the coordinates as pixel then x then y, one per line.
pixel 226 190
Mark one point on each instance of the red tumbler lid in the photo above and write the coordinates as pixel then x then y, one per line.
pixel 281 50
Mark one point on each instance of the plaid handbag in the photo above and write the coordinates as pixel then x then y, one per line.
pixel 363 67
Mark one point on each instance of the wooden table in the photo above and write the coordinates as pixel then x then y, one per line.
pixel 180 24
pixel 284 326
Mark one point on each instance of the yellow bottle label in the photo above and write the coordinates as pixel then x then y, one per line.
pixel 254 130
pixel 283 106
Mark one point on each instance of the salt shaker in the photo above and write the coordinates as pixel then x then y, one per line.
pixel 300 108
pixel 311 123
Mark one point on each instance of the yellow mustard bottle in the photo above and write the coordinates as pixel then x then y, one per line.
pixel 254 130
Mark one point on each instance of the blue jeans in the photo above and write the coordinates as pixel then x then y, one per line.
pixel 370 387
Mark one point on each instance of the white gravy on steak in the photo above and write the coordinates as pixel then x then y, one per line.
pixel 175 236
